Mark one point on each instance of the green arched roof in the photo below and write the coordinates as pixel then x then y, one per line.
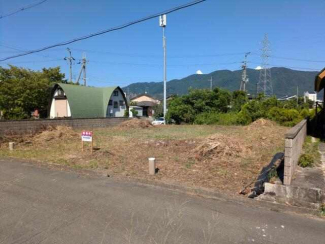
pixel 87 102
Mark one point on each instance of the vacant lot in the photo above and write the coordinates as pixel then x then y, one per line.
pixel 222 157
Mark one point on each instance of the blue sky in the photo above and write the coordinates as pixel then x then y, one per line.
pixel 210 36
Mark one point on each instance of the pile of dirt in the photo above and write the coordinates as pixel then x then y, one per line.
pixel 222 147
pixel 135 124
pixel 262 123
pixel 56 133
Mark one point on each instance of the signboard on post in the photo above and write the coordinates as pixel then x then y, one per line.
pixel 88 137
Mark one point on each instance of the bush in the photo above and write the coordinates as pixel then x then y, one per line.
pixel 134 112
pixel 250 112
pixel 306 160
pixel 286 117
pixel 185 109
pixel 217 119
pixel 311 153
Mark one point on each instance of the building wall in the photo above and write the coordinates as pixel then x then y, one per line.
pixel 120 110
pixel 54 110
pixel 311 96
pixel 33 126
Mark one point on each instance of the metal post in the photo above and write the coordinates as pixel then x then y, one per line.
pixel 70 59
pixel 84 68
pixel 165 73
pixel 163 23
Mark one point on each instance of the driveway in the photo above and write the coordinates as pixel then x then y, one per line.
pixel 42 205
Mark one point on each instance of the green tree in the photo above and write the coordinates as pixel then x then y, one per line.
pixel 239 98
pixel 23 90
pixel 187 107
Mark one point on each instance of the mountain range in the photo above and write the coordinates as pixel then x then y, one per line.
pixel 284 81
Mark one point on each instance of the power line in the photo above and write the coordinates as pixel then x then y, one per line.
pixel 22 9
pixel 157 55
pixel 22 50
pixel 297 59
pixel 108 30
pixel 36 61
pixel 289 67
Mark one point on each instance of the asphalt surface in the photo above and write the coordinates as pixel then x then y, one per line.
pixel 41 205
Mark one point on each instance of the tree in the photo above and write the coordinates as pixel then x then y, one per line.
pixel 23 90
pixel 187 107
pixel 239 98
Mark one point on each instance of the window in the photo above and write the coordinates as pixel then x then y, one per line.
pixel 110 102
pixel 121 103
pixel 115 93
pixel 115 104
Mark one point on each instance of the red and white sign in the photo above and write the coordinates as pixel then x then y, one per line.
pixel 87 136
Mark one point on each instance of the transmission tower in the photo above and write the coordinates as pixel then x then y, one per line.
pixel 264 84
pixel 244 79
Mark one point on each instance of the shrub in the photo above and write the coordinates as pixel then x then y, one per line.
pixel 322 209
pixel 134 112
pixel 250 112
pixel 185 109
pixel 286 117
pixel 217 118
pixel 306 160
pixel 239 98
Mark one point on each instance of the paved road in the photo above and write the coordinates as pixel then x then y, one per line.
pixel 40 205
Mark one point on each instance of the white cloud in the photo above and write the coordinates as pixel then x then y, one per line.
pixel 199 72
pixel 258 68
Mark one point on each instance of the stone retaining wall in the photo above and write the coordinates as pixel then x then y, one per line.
pixel 32 126
pixel 294 140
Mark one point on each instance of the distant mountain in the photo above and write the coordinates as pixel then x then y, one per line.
pixel 285 82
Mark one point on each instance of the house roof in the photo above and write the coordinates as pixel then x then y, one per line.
pixel 320 81
pixel 146 104
pixel 141 95
pixel 85 101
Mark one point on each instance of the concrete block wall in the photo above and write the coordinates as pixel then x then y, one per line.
pixel 294 140
pixel 32 126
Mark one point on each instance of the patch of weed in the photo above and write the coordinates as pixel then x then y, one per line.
pixel 311 153
pixel 322 210
pixel 190 163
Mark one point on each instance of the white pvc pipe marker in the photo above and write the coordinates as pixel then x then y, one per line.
pixel 11 146
pixel 152 166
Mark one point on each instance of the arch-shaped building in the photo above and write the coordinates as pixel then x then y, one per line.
pixel 87 102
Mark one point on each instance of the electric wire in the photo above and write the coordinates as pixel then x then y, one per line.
pixel 22 9
pixel 107 30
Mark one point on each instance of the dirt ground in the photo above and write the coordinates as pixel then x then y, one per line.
pixel 218 157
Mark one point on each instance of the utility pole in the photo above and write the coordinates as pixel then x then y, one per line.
pixel 211 80
pixel 297 96
pixel 83 70
pixel 265 82
pixel 163 23
pixel 244 75
pixel 70 59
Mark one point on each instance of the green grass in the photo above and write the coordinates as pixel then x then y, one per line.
pixel 311 155
pixel 170 132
